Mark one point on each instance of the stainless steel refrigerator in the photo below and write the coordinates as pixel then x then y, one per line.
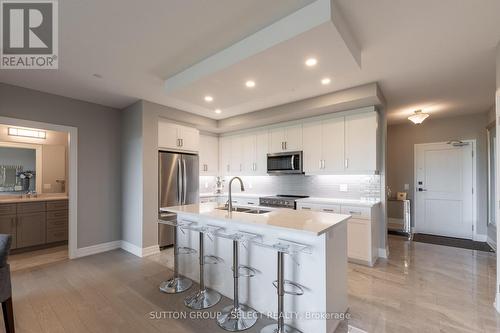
pixel 178 184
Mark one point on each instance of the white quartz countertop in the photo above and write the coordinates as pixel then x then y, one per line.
pixel 237 194
pixel 312 200
pixel 40 197
pixel 315 223
pixel 335 201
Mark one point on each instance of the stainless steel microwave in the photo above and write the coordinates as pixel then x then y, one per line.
pixel 285 163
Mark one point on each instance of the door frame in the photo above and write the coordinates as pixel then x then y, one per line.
pixel 72 172
pixel 472 142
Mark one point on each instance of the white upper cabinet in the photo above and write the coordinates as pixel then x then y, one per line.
pixel 287 138
pixel 244 154
pixel 361 142
pixel 236 164
pixel 313 147
pixel 333 145
pixel 225 155
pixel 209 155
pixel 323 144
pixel 173 136
pixel 261 150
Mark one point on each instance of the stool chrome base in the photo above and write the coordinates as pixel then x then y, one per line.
pixel 273 328
pixel 237 319
pixel 203 299
pixel 176 285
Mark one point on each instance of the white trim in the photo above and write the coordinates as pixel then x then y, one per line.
pixel 38 159
pixel 99 248
pixel 382 253
pixel 72 170
pixel 491 242
pixel 481 238
pixel 138 251
pixel 497 302
pixel 474 185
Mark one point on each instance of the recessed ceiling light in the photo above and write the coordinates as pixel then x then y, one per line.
pixel 250 84
pixel 218 111
pixel 208 98
pixel 311 62
pixel 326 81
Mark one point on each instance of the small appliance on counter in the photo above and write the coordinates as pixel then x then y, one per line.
pixel 281 201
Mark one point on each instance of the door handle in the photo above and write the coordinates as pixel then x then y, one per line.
pixel 179 182
pixel 346 163
pixel 292 160
pixel 422 189
pixel 285 145
pixel 184 176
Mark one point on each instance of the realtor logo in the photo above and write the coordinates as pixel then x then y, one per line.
pixel 29 34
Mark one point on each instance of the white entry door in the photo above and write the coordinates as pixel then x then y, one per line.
pixel 444 189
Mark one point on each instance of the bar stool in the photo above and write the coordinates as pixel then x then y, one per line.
pixel 238 317
pixel 177 283
pixel 205 297
pixel 285 247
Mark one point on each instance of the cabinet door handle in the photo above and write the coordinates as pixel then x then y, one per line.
pixel 306 208
pixel 282 145
pixel 227 167
pixel 346 163
pixel 328 210
pixel 182 142
pixel 285 145
pixel 354 212
pixel 324 163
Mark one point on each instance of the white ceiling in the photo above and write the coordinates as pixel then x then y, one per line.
pixel 435 55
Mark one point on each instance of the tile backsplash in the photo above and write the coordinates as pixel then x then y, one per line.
pixel 360 187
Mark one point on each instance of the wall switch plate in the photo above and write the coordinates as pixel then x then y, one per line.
pixel 407 187
pixel 343 187
pixel 47 186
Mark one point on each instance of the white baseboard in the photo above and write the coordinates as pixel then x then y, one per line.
pixel 138 251
pixel 480 238
pixel 99 248
pixel 383 253
pixel 492 243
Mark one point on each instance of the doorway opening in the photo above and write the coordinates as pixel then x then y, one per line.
pixel 38 191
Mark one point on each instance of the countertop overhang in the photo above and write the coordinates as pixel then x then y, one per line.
pixel 315 223
pixel 41 197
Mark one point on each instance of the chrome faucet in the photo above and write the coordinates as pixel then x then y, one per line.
pixel 230 201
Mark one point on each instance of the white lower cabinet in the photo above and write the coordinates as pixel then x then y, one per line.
pixel 362 229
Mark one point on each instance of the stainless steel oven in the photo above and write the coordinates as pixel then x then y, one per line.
pixel 285 163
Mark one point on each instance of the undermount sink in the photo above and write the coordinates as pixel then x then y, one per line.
pixel 246 210
pixel 258 211
pixel 238 209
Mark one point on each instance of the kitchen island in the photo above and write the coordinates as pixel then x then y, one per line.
pixel 320 267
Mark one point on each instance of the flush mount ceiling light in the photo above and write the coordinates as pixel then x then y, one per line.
pixel 418 117
pixel 208 98
pixel 250 84
pixel 311 62
pixel 326 81
pixel 13 131
pixel 218 111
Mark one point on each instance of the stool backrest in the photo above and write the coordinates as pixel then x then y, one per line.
pixel 5 241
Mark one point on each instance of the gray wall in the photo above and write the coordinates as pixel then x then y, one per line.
pixel 401 139
pixel 99 167
pixel 132 174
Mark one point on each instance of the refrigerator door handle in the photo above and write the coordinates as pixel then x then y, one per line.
pixel 179 182
pixel 184 179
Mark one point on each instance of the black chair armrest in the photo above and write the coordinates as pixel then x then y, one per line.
pixel 5 241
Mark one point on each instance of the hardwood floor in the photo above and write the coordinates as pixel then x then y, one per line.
pixel 421 288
